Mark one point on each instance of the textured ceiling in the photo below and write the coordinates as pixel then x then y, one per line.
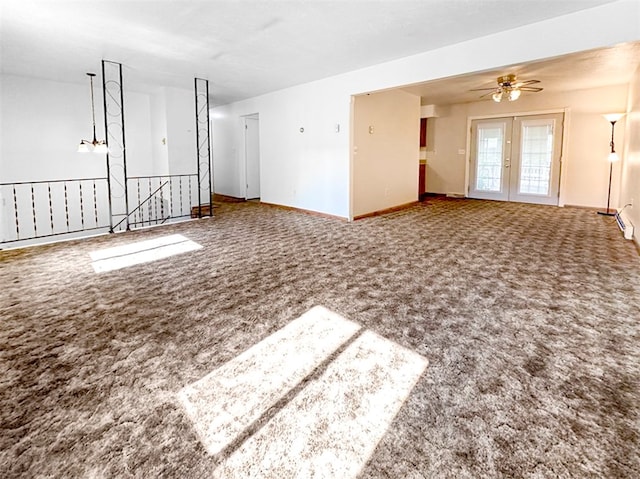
pixel 244 48
pixel 578 71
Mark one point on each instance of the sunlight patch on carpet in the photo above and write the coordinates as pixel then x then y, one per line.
pixel 226 401
pixel 118 257
pixel 331 428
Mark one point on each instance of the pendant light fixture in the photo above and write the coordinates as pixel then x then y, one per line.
pixel 97 146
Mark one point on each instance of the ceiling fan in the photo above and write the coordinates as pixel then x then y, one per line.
pixel 509 88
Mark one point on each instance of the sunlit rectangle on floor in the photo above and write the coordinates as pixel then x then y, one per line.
pixel 226 401
pixel 118 257
pixel 331 428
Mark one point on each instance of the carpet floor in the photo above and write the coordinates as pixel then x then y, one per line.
pixel 528 316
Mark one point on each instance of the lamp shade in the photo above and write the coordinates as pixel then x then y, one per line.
pixel 101 148
pixel 613 157
pixel 613 117
pixel 514 94
pixel 83 147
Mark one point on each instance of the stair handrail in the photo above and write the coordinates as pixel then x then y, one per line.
pixel 151 195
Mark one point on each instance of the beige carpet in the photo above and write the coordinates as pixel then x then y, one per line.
pixel 223 404
pixel 331 428
pixel 528 315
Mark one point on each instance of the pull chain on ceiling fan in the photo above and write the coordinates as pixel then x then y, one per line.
pixel 509 88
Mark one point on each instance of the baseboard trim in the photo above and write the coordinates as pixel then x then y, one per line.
pixel 387 210
pixel 227 199
pixel 307 212
pixel 581 207
pixel 434 195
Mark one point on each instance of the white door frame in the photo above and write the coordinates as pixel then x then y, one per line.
pixel 565 145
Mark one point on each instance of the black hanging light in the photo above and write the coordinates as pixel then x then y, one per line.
pixel 95 145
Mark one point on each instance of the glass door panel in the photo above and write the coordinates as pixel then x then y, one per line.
pixel 516 159
pixel 489 165
pixel 489 158
pixel 536 157
pixel 537 142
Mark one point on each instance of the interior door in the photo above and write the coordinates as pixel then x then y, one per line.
pixel 252 157
pixel 517 159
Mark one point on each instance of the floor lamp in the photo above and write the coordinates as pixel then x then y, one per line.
pixel 613 157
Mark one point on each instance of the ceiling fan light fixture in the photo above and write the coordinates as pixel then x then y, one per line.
pixel 509 88
pixel 506 80
pixel 514 94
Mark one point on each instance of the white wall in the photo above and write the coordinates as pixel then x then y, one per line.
pixel 159 147
pixel 631 157
pixel 312 170
pixel 181 134
pixel 42 123
pixel 386 134
pixel 225 137
pixel 172 134
pixel 137 120
pixel 585 170
pixel 445 166
pixel 307 170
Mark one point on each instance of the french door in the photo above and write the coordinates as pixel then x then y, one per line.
pixel 517 158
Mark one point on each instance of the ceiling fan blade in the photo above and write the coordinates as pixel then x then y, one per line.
pixel 526 82
pixel 486 94
pixel 483 89
pixel 531 88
